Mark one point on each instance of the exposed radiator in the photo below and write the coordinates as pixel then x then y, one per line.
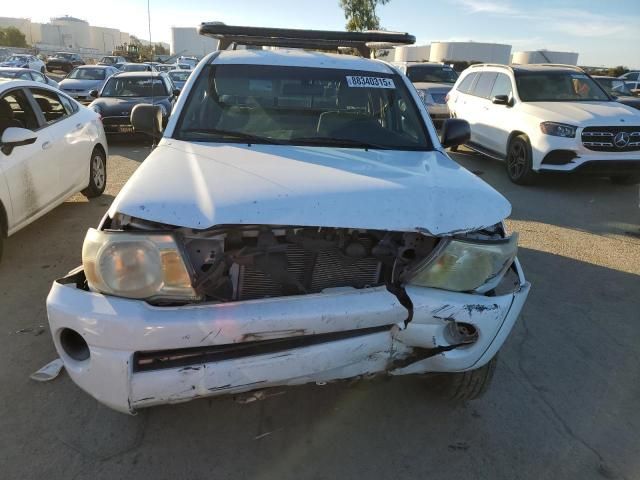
pixel 313 271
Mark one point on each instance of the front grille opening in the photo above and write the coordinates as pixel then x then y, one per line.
pixel 612 138
pixel 241 262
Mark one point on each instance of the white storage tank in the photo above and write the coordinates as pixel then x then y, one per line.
pixel 470 52
pixel 544 56
pixel 187 41
pixel 412 53
pixel 72 32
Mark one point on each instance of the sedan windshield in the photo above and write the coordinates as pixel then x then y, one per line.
pixel 561 86
pixel 17 58
pixel 431 74
pixel 136 67
pixel 179 76
pixel 614 86
pixel 108 60
pixel 87 74
pixel 63 55
pixel 302 106
pixel 134 87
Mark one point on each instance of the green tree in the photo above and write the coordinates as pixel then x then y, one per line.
pixel 12 37
pixel 617 71
pixel 361 14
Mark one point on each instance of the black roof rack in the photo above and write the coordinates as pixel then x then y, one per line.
pixel 363 42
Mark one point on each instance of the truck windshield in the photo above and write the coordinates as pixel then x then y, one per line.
pixel 302 106
pixel 431 74
pixel 561 86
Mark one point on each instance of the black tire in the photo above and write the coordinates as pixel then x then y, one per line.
pixel 469 385
pixel 1 245
pixel 97 174
pixel 518 162
pixel 625 179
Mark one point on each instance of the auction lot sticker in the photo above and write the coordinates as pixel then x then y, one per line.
pixel 370 82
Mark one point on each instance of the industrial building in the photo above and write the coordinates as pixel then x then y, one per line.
pixel 470 52
pixel 69 33
pixel 544 56
pixel 187 41
pixel 412 53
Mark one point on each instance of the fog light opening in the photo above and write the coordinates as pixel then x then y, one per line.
pixel 458 333
pixel 74 345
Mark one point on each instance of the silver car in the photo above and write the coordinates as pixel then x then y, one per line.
pixel 82 80
pixel 27 74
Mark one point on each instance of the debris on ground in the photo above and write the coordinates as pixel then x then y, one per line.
pixel 47 373
pixel 255 396
pixel 39 330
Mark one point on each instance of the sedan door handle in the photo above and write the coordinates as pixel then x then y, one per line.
pixel 46 145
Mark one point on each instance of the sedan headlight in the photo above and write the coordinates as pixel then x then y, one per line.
pixel 558 129
pixel 465 265
pixel 136 265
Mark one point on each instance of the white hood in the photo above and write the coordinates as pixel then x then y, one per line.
pixel 584 114
pixel 201 185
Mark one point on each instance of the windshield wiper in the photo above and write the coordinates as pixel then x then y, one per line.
pixel 333 141
pixel 230 133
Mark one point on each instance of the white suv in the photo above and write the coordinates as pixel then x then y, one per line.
pixel 547 118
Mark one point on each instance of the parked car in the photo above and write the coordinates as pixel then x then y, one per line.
pixel 634 87
pixel 21 60
pixel 191 61
pixel 50 148
pixel 112 60
pixel 619 90
pixel 136 67
pixel 82 80
pixel 432 81
pixel 547 118
pixel 179 77
pixel 125 90
pixel 64 61
pixel 27 74
pixel 632 76
pixel 164 67
pixel 299 221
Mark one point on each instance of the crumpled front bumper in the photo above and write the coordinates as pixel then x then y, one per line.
pixel 116 328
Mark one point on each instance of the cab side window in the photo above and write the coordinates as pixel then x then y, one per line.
pixel 502 86
pixel 70 106
pixel 16 111
pixel 38 77
pixel 49 103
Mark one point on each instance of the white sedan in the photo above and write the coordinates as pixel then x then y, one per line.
pixel 50 148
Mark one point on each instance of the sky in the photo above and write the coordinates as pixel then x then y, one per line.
pixel 603 32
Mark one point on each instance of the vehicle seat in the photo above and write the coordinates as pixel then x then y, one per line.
pixel 352 103
pixel 7 119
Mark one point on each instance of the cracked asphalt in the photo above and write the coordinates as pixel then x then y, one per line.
pixel 563 403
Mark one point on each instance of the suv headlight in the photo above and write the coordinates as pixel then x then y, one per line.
pixel 465 265
pixel 558 129
pixel 136 265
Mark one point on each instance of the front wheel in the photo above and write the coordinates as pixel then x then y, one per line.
pixel 519 163
pixel 625 179
pixel 97 174
pixel 469 385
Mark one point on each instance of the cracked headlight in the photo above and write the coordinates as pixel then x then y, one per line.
pixel 465 265
pixel 136 265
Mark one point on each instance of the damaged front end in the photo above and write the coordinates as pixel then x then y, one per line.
pixel 171 313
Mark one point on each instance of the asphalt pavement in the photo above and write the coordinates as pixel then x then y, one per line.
pixel 563 404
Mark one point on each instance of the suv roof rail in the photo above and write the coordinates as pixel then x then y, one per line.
pixel 500 65
pixel 574 67
pixel 363 42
